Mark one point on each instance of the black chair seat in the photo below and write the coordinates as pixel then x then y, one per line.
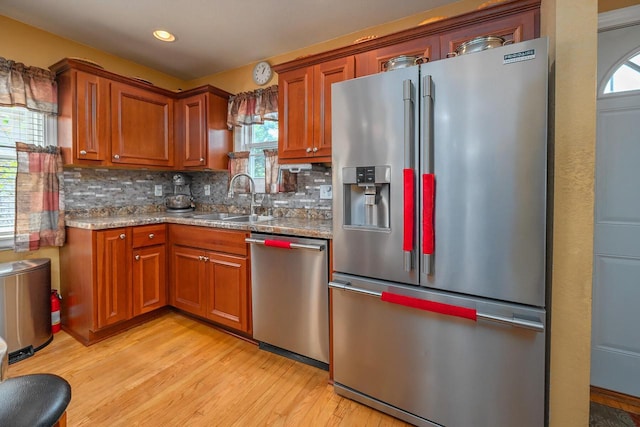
pixel 36 400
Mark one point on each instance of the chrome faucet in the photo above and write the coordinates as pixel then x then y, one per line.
pixel 252 187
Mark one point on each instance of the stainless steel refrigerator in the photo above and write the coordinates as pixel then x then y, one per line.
pixel 439 234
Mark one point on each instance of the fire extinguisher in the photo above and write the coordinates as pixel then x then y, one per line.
pixel 55 310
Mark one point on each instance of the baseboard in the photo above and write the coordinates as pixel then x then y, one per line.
pixel 615 399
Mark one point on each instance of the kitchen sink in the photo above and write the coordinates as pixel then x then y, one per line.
pixel 211 215
pixel 247 218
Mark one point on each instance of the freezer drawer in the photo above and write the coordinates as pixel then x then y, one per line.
pixel 449 370
pixel 290 295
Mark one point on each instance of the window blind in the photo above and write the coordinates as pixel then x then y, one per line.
pixel 16 124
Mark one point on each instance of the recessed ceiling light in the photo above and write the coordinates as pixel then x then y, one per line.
pixel 164 36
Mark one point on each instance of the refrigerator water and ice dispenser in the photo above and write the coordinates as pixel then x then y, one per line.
pixel 366 196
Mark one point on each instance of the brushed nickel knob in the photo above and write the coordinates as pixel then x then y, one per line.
pixel 137 257
pixel 116 156
pixel 201 159
pixel 123 236
pixel 151 235
pixel 201 258
pixel 205 258
pixel 83 152
pixel 309 150
pixel 315 149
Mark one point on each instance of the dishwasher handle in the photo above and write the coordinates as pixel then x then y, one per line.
pixel 283 244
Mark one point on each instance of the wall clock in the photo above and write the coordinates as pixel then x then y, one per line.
pixel 262 73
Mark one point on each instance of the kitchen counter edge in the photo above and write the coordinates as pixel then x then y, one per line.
pixel 319 228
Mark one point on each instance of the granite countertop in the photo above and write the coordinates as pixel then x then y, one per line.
pixel 320 228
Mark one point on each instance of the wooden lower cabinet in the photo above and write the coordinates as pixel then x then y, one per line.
pixel 149 279
pixel 209 275
pixel 188 279
pixel 227 290
pixel 112 279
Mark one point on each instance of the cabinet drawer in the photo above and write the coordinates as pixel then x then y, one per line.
pixel 213 239
pixel 149 235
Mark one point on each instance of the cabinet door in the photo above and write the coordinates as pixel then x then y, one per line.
pixel 517 28
pixel 295 112
pixel 325 75
pixel 192 121
pixel 188 279
pixel 92 117
pixel 373 62
pixel 149 279
pixel 113 277
pixel 141 127
pixel 227 300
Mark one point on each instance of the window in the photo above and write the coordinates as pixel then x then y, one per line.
pixel 17 124
pixel 255 138
pixel 626 77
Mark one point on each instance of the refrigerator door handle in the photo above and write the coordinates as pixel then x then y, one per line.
pixel 440 308
pixel 408 176
pixel 428 179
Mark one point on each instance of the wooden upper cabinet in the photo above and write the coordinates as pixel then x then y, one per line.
pixel 192 135
pixel 92 116
pixel 304 110
pixel 374 61
pixel 106 119
pixel 202 137
pixel 295 110
pixel 325 75
pixel 141 126
pixel 517 28
pixel 83 118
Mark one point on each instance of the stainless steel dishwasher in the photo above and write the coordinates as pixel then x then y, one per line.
pixel 290 296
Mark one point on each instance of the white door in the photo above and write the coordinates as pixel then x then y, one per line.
pixel 615 354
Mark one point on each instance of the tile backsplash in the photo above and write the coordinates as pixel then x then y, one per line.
pixel 104 192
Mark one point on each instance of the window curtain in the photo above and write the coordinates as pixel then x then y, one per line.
pixel 39 198
pixel 30 87
pixel 239 163
pixel 277 180
pixel 249 108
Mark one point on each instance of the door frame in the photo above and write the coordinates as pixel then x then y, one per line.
pixel 618 18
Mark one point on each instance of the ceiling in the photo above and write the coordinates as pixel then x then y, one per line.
pixel 211 35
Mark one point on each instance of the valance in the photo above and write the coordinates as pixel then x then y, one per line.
pixel 248 108
pixel 30 87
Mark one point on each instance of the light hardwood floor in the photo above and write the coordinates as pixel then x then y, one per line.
pixel 175 371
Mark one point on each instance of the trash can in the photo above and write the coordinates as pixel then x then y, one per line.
pixel 25 306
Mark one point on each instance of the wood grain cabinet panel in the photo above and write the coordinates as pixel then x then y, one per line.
pixel 210 275
pixel 202 137
pixel 227 290
pixel 515 28
pixel 374 61
pixel 304 110
pixel 141 127
pixel 149 284
pixel 113 280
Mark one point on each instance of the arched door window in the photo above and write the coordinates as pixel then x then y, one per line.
pixel 626 77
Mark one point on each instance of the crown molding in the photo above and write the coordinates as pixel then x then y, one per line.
pixel 619 18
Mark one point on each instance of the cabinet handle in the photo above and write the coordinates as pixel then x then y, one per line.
pixel 309 150
pixel 137 257
pixel 201 159
pixel 116 156
pixel 123 236
pixel 151 235
pixel 205 258
pixel 315 149
pixel 201 258
pixel 83 152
